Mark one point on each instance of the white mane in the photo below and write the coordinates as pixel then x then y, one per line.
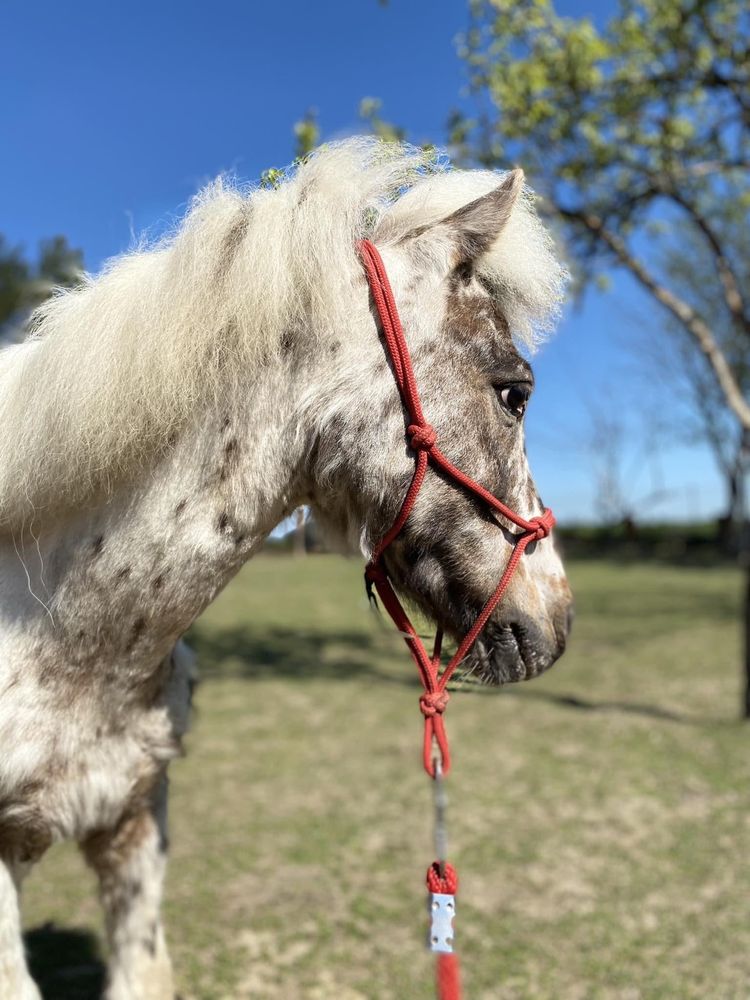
pixel 115 366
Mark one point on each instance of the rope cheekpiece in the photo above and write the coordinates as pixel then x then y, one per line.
pixel 442 881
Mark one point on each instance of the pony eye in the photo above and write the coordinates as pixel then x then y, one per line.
pixel 515 397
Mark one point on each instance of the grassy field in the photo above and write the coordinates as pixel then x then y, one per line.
pixel 600 816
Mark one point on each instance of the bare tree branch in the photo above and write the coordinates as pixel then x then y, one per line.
pixel 729 282
pixel 680 309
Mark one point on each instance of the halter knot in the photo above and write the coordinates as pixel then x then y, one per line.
pixel 543 525
pixel 433 703
pixel 375 573
pixel 422 437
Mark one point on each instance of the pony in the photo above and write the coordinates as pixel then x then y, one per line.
pixel 161 418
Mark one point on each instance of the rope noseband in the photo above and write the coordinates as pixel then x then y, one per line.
pixel 442 881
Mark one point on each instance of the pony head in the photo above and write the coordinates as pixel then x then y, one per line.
pixel 474 276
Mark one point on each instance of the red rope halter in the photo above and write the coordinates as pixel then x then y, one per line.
pixel 423 441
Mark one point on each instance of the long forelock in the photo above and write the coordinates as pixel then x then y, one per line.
pixel 118 364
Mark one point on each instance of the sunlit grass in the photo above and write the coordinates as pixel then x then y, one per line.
pixel 599 815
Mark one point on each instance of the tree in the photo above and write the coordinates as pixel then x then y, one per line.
pixel 617 468
pixel 14 277
pixel 650 116
pixel 23 285
pixel 689 266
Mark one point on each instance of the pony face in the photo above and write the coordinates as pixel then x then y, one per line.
pixel 475 387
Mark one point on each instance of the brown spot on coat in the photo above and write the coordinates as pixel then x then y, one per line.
pixel 231 449
pixel 45 675
pixel 108 851
pixel 139 627
pixel 26 836
pixel 11 682
pixel 232 242
pixel 286 343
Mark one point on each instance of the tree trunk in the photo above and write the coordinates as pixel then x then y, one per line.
pixel 743 535
pixel 730 523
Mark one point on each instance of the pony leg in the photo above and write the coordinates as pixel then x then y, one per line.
pixel 131 861
pixel 15 980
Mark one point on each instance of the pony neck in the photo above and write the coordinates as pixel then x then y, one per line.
pixel 133 569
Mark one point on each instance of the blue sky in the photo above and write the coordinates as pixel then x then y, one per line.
pixel 114 114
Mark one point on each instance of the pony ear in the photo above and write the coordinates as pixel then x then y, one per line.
pixel 476 226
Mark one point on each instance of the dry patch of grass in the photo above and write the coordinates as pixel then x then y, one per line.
pixel 599 816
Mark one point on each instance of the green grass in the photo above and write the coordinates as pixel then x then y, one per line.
pixel 599 816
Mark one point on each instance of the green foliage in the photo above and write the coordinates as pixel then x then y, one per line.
pixel 271 178
pixel 369 112
pixel 14 278
pixel 59 264
pixel 307 134
pixel 24 285
pixel 613 120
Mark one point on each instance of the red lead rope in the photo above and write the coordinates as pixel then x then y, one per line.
pixel 441 878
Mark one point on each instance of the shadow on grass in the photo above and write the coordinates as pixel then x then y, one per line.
pixel 578 703
pixel 309 655
pixel 66 964
pixel 287 653
pixel 626 707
